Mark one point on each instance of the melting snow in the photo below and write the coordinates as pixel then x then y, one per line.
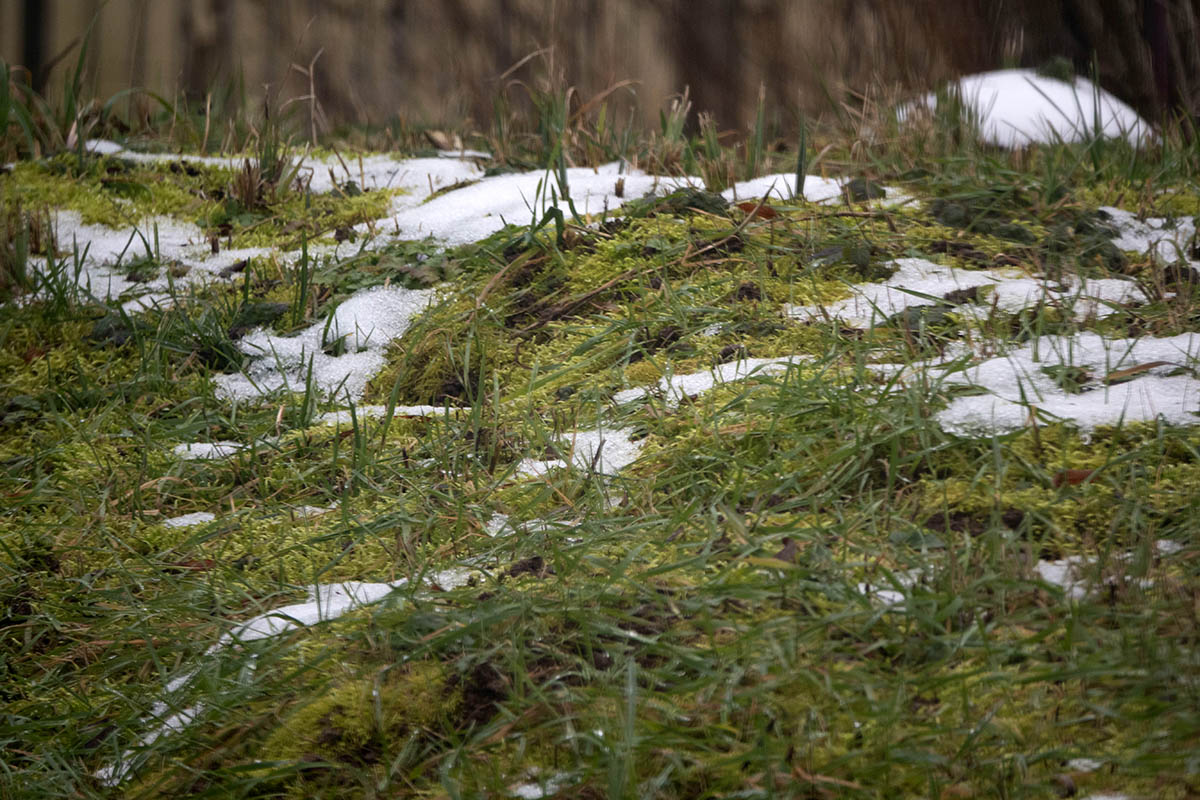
pixel 605 451
pixel 782 187
pixel 207 450
pixel 189 520
pixel 365 324
pixel 1170 240
pixel 477 211
pixel 678 387
pixel 1018 107
pixel 1025 379
pixel 325 602
pixel 919 282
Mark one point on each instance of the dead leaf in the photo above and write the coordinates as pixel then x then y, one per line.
pixel 752 208
pixel 444 141
pixel 534 565
pixel 1072 477
pixel 1121 375
pixel 789 551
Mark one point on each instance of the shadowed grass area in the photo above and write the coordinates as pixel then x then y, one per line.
pixel 799 584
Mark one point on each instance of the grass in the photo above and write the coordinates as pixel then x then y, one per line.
pixel 713 620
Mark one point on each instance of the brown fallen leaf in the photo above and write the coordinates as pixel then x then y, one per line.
pixel 752 208
pixel 1072 477
pixel 1120 375
pixel 444 141
pixel 789 551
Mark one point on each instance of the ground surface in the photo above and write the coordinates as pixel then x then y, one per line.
pixel 377 479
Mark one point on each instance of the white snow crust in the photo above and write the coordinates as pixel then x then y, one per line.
pixel 207 451
pixel 189 520
pixel 919 282
pixel 366 323
pixel 1019 381
pixel 678 387
pixel 605 451
pixel 479 210
pixel 1018 107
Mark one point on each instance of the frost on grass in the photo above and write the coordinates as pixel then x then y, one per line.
pixel 338 355
pixel 1113 381
pixel 1018 107
pixel 919 282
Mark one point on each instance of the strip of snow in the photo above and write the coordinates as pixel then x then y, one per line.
pixel 781 186
pixel 365 323
pixel 1171 240
pixel 1018 107
pixel 418 176
pixel 475 212
pixel 919 282
pixel 103 147
pixel 605 451
pixel 189 520
pixel 482 155
pixel 1024 379
pixel 325 602
pixel 889 597
pixel 205 451
pixel 343 417
pixel 678 387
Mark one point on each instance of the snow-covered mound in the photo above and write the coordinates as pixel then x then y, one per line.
pixel 1018 107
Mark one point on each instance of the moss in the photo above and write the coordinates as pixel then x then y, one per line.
pixel 359 729
pixel 120 194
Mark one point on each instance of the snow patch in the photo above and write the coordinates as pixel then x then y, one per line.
pixel 1170 240
pixel 325 602
pixel 1018 107
pixel 206 451
pixel 605 451
pixel 678 387
pixel 365 324
pixel 475 212
pixel 919 282
pixel 781 186
pixel 189 520
pixel 343 417
pixel 1025 379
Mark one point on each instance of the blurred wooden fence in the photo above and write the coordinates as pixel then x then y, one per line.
pixel 441 60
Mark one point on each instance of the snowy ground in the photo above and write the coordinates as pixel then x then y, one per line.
pixel 1158 378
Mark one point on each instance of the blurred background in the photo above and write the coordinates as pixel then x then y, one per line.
pixel 445 62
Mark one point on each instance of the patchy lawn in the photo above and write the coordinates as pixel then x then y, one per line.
pixel 380 477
